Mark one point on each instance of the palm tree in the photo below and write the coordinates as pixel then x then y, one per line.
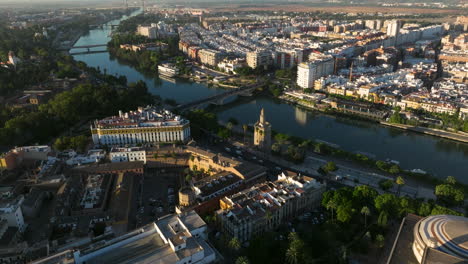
pixel 451 180
pixel 366 212
pixel 292 255
pixel 331 205
pixel 400 182
pixel 234 244
pixel 229 126
pixel 245 127
pixel 242 260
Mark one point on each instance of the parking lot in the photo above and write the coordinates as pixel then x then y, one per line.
pixel 159 194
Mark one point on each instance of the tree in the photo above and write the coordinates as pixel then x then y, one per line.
pixel 394 169
pixel 440 210
pixel 385 184
pixel 425 209
pixel 294 251
pixel 382 220
pixel 281 138
pixel 234 244
pixel 188 178
pixel 449 194
pixel 451 180
pixel 344 212
pixel 155 156
pixel 364 195
pixel 330 166
pixel 405 206
pixel 366 212
pixel 331 205
pixel 386 202
pixel 400 182
pixel 380 239
pixel 276 148
pixel 229 126
pixel 242 260
pixel 224 133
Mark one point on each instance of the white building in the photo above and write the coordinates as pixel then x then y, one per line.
pixel 177 239
pixel 393 28
pixel 146 125
pixel 148 31
pixel 168 69
pixel 319 66
pixel 127 154
pixel 230 66
pixel 306 75
pixel 10 210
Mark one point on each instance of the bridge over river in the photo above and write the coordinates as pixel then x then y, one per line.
pixel 218 99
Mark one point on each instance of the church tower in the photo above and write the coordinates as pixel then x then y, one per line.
pixel 262 133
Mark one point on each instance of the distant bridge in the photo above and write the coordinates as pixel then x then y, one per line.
pixel 87 52
pixel 218 99
pixel 103 26
pixel 88 47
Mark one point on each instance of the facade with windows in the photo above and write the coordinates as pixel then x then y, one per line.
pixel 146 125
pixel 127 154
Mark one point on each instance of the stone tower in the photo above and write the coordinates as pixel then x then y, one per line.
pixel 262 133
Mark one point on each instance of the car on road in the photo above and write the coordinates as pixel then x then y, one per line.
pixel 228 149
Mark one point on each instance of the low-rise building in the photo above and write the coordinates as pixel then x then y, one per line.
pixel 127 154
pixel 178 239
pixel 265 206
pixel 10 210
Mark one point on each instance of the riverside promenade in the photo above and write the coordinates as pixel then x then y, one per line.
pixel 462 137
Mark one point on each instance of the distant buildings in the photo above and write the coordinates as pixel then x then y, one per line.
pixel 318 66
pixel 209 57
pixel 258 59
pixel 146 125
pixel 148 31
pixel 393 28
pixel 262 133
pixel 265 206
pixel 16 156
pixel 178 239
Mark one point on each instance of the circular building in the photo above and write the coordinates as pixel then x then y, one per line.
pixel 187 196
pixel 443 235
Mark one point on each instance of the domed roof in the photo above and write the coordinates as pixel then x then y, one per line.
pixel 447 233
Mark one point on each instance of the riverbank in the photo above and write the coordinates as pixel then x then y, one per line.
pixel 430 131
pixel 460 137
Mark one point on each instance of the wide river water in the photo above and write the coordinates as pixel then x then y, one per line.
pixel 437 156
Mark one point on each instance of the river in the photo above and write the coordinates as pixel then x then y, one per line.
pixel 437 156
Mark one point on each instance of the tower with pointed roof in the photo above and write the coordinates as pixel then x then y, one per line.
pixel 262 133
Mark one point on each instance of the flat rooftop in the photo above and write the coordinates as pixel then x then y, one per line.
pixel 150 249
